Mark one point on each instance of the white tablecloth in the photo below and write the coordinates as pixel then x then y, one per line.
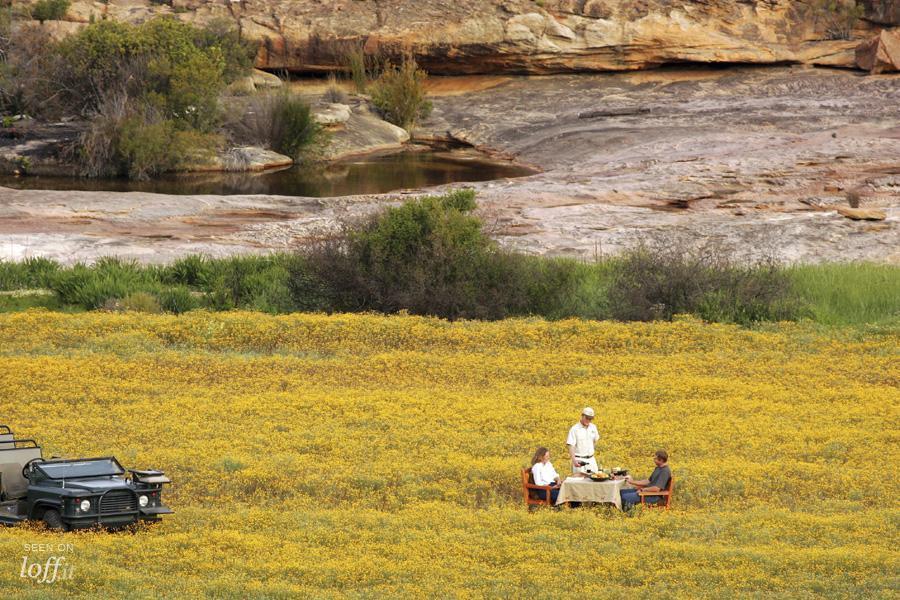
pixel 583 489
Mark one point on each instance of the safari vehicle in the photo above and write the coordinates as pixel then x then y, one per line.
pixel 69 494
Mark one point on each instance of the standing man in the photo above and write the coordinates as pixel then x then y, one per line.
pixel 580 443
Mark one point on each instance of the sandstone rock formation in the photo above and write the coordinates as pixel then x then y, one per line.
pixel 882 12
pixel 264 80
pixel 332 114
pixel 518 36
pixel 881 54
pixel 246 158
pixel 362 133
pixel 862 214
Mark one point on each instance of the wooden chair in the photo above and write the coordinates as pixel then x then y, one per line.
pixel 528 487
pixel 667 494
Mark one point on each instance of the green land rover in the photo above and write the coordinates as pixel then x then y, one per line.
pixel 68 494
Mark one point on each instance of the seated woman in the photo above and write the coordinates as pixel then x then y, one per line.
pixel 544 474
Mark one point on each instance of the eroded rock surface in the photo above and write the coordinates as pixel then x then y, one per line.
pixel 881 54
pixel 517 36
pixel 246 158
pixel 758 159
pixel 364 133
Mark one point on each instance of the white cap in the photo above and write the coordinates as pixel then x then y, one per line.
pixel 588 411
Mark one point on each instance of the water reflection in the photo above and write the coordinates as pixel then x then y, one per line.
pixel 370 175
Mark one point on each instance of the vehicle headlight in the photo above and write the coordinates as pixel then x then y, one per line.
pixel 143 500
pixel 85 505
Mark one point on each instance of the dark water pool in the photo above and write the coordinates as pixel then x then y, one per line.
pixel 370 175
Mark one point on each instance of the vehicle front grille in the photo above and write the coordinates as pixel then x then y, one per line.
pixel 117 501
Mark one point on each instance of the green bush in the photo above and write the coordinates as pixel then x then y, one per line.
pixel 12 276
pixel 49 10
pixel 151 91
pixel 671 277
pixel 256 282
pixel 89 289
pixel 548 286
pixel 177 300
pixel 589 296
pixel 92 286
pixel 183 80
pixel 191 270
pixel 144 87
pixel 137 143
pixel 40 271
pixel 171 65
pixel 294 129
pixel 238 54
pixel 146 148
pixel 308 292
pixel 429 257
pixel 101 59
pixel 141 302
pixel 31 273
pixel 399 93
pixel 282 122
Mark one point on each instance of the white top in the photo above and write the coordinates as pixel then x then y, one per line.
pixel 544 473
pixel 583 438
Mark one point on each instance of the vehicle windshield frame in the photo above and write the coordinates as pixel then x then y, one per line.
pixel 114 464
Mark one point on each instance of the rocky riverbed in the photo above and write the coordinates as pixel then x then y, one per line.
pixel 759 159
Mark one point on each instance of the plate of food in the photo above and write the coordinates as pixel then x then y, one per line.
pixel 600 476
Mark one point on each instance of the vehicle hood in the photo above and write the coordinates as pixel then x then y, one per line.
pixel 97 485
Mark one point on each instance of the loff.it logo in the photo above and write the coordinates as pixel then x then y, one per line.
pixel 53 568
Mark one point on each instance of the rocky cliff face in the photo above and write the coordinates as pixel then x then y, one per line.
pixel 882 12
pixel 520 36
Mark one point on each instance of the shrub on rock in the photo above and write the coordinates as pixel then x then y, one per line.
pixel 399 93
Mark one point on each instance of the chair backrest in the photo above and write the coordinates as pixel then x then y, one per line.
pixel 529 494
pixel 12 483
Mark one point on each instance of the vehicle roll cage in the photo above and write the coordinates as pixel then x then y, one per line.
pixel 33 444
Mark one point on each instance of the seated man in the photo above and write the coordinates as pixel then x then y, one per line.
pixel 658 482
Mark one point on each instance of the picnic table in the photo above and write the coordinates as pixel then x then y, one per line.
pixel 585 489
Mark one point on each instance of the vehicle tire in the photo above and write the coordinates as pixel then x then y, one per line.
pixel 53 520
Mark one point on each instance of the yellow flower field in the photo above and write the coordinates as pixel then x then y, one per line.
pixel 363 456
